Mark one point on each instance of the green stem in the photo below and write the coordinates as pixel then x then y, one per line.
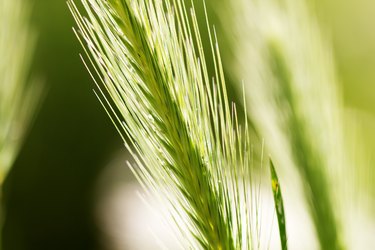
pixel 308 159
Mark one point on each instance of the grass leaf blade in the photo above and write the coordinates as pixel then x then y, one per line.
pixel 279 206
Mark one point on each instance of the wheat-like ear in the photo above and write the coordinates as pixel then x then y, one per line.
pixel 148 59
pixel 18 95
pixel 278 50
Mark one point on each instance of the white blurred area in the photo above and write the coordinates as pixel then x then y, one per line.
pixel 129 221
pixel 126 220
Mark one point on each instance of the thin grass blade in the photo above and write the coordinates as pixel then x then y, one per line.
pixel 279 206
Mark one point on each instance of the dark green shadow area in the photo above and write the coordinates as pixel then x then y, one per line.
pixel 49 194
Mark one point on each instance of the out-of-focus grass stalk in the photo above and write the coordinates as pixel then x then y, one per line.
pixel 276 47
pixel 18 95
pixel 148 60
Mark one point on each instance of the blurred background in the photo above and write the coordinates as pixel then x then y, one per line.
pixel 53 192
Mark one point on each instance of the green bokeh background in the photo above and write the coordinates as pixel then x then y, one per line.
pixel 50 192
